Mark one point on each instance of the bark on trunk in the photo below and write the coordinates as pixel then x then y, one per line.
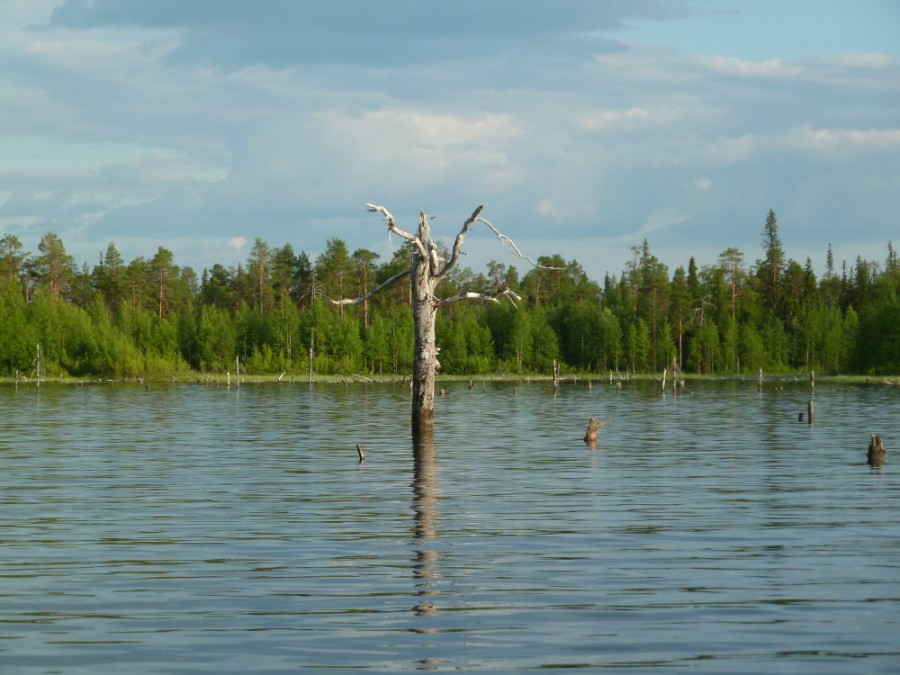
pixel 425 355
pixel 425 362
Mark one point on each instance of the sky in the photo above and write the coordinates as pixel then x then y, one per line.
pixel 584 127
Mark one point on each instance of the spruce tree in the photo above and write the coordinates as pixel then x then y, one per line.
pixel 771 269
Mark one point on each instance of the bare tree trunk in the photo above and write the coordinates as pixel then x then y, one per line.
pixel 425 356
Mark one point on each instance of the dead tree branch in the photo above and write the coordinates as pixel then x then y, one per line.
pixel 472 295
pixel 380 287
pixel 392 227
pixel 510 246
pixel 457 245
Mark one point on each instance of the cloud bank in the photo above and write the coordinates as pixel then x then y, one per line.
pixel 583 127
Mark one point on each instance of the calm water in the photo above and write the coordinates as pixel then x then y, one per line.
pixel 185 529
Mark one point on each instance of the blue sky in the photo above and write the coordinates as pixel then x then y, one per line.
pixel 583 126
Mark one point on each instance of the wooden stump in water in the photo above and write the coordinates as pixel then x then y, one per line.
pixel 362 455
pixel 590 436
pixel 876 453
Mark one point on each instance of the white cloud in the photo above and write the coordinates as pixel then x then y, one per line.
pixel 657 118
pixel 870 61
pixel 662 219
pixel 152 119
pixel 392 128
pixel 834 142
pixel 25 12
pixel 418 150
pixel 731 150
pixel 608 120
pixel 771 68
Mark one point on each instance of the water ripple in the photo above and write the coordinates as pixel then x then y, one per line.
pixel 187 529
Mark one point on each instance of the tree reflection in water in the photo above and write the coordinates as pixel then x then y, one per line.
pixel 425 506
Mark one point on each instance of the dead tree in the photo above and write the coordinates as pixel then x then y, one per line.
pixel 427 271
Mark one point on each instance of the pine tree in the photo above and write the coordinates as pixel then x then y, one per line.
pixel 164 276
pixel 730 261
pixel 12 258
pixel 54 268
pixel 260 267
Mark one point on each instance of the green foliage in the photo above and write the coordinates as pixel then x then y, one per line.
pixel 751 349
pixel 879 329
pixel 17 338
pixel 150 316
pixel 215 340
pixel 467 345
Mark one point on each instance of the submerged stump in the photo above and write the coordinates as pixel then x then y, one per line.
pixel 876 453
pixel 590 435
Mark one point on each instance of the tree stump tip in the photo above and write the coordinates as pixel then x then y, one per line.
pixel 590 435
pixel 877 451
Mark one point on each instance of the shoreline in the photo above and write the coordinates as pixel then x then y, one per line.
pixel 225 379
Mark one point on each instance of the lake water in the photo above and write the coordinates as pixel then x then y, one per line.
pixel 193 529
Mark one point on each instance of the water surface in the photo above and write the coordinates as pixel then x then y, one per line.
pixel 193 529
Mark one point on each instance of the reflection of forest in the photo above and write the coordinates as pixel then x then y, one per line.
pixel 425 505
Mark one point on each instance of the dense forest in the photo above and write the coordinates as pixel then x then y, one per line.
pixel 152 317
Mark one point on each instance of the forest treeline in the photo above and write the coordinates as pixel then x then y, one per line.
pixel 151 317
